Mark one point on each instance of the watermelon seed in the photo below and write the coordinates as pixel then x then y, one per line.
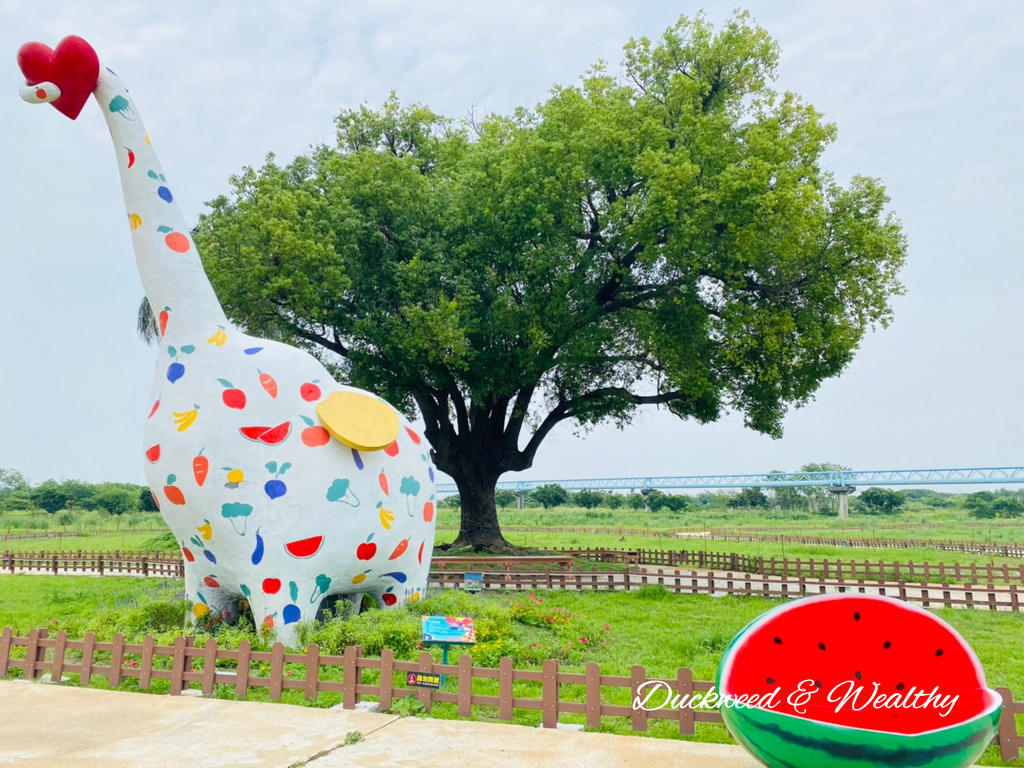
pixel 856 616
pixel 818 683
pixel 778 641
pixel 770 680
pixel 857 674
pixel 899 686
pixel 938 652
pixel 886 644
pixel 822 646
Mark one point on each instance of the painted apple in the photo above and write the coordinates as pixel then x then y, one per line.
pixel 234 398
pixel 366 550
pixel 314 437
pixel 309 392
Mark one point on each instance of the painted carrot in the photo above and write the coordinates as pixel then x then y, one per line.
pixel 164 317
pixel 400 549
pixel 383 480
pixel 268 383
pixel 200 468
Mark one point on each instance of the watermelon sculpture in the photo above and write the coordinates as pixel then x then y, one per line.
pixel 891 670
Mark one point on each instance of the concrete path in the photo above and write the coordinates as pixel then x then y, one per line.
pixel 48 725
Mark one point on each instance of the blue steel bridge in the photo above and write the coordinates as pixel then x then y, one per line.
pixel 844 481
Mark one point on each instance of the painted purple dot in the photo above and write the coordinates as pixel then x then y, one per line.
pixel 291 614
pixel 358 459
pixel 165 194
pixel 175 371
pixel 430 471
pixel 253 350
pixel 209 556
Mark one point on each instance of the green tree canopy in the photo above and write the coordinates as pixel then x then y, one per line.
pixel 116 500
pixel 504 498
pixel 49 495
pixel 817 498
pixel 588 499
pixel 549 495
pixel 882 501
pixel 665 238
pixel 11 480
pixel 750 498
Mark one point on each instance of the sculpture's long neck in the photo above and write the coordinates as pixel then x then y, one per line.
pixel 172 274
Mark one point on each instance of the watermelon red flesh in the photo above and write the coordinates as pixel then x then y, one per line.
pixel 276 435
pixel 865 639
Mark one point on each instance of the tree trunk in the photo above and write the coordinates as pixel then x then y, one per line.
pixel 478 527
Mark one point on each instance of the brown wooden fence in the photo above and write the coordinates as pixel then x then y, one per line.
pixel 183 664
pixel 169 565
pixel 165 564
pixel 970 573
pixel 1008 549
pixel 718 583
pixel 64 533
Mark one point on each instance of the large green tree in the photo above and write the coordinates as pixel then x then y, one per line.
pixel 666 238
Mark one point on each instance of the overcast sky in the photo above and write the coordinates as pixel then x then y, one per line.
pixel 927 96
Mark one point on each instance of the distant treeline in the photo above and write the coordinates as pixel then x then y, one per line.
pixel 872 501
pixel 53 496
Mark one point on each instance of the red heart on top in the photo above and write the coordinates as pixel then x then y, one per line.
pixel 73 67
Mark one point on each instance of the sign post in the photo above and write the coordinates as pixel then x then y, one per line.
pixel 447 631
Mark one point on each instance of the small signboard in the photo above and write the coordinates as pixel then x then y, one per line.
pixel 456 630
pixel 422 680
pixel 474 582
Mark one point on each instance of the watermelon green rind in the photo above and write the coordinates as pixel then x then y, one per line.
pixel 784 741
pixel 781 740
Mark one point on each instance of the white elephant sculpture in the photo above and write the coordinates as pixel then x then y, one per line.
pixel 282 486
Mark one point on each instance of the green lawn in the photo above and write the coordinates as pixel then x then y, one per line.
pixel 651 627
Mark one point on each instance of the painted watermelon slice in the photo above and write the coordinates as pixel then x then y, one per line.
pixel 276 435
pixel 837 644
pixel 304 548
pixel 253 433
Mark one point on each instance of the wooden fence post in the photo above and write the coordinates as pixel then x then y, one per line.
pixel 29 671
pixel 88 655
pixel 277 671
pixel 5 649
pixel 426 666
pixel 177 666
pixel 505 689
pixel 549 694
pixel 348 680
pixel 1007 733
pixel 242 670
pixel 593 698
pixel 116 661
pixel 637 676
pixel 209 666
pixel 146 662
pixel 465 684
pixel 313 670
pixel 684 685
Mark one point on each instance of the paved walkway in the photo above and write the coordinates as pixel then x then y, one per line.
pixel 49 726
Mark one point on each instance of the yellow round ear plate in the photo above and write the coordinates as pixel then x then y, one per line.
pixel 359 421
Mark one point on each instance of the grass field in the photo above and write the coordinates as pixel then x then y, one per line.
pixel 651 627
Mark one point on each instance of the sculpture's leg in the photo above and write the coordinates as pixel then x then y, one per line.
pixel 209 600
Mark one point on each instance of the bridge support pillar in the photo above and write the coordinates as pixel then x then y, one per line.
pixel 842 493
pixel 521 499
